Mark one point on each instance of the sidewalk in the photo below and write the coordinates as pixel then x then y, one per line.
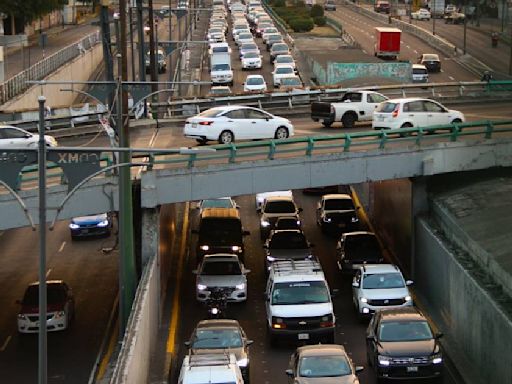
pixel 19 58
pixel 488 26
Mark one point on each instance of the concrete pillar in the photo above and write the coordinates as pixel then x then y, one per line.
pixel 419 206
pixel 150 234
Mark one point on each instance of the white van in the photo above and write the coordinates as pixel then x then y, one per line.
pixel 221 71
pixel 298 303
pixel 210 368
pixel 419 73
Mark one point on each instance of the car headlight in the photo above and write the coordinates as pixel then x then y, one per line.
pixel 437 358
pixel 271 258
pixel 355 219
pixel 204 247
pixel 240 286
pixel 407 298
pixel 59 314
pixel 243 362
pixel 236 248
pixel 201 287
pixel 265 223
pixel 364 300
pixel 327 219
pixel 21 316
pixel 384 360
pixel 74 226
pixel 104 223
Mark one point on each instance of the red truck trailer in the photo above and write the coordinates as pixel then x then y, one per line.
pixel 387 42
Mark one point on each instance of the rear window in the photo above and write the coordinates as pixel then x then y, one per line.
pixel 220 49
pixel 386 107
pixel 220 231
pixel 288 240
pixel 431 57
pixel 280 207
pixel 419 71
pixel 363 247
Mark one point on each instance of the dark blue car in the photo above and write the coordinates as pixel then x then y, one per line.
pixel 93 225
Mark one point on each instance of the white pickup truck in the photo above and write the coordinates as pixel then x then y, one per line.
pixel 354 106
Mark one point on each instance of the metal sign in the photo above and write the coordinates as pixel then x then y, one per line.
pixel 138 91
pixel 12 162
pixel 76 165
pixel 180 13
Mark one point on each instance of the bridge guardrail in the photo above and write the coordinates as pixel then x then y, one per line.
pixel 300 146
pixel 18 83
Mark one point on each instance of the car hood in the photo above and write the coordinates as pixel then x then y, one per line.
pixel 34 309
pixel 302 310
pixel 90 219
pixel 407 348
pixel 294 254
pixel 349 379
pixel 221 281
pixel 389 293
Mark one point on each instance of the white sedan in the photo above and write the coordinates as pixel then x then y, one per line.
pixel 421 14
pixel 255 83
pixel 251 60
pixel 282 71
pixel 236 122
pixel 13 137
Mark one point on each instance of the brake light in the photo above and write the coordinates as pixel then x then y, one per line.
pixel 205 122
pixel 326 324
pixel 395 111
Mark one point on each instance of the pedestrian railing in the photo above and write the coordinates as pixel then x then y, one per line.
pixel 18 84
pixel 297 147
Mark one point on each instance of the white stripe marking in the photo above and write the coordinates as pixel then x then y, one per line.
pixel 451 78
pixel 62 246
pixel 48 273
pixel 4 345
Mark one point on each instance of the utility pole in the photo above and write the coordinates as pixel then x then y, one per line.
pixel 106 42
pixel 465 28
pixel 132 48
pixel 140 28
pixel 434 14
pixel 127 272
pixel 152 52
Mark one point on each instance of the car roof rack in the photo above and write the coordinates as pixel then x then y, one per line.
pixel 208 360
pixel 293 267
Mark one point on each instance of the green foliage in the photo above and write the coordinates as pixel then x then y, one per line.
pixel 279 3
pixel 320 21
pixel 30 10
pixel 317 10
pixel 301 24
pixel 300 3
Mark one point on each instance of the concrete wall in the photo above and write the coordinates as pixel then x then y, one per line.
pixel 79 69
pixel 478 333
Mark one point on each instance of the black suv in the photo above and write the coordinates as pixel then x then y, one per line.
pixel 286 244
pixel 400 344
pixel 357 248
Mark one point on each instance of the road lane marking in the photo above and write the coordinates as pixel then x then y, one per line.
pixel 173 326
pixel 106 359
pixel 415 51
pixel 48 273
pixel 451 78
pixel 6 342
pixel 62 246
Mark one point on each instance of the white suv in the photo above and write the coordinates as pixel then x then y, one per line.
pixel 298 303
pixel 213 369
pixel 380 286
pixel 413 112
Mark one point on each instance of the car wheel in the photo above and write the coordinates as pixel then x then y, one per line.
pixel 201 141
pixel 226 137
pixel 406 125
pixel 281 133
pixel 327 124
pixel 348 120
pixel 456 121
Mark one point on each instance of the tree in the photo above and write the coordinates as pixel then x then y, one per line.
pixel 29 10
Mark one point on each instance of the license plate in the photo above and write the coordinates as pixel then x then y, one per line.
pixel 194 125
pixel 341 225
pixel 85 230
pixel 303 336
pixel 412 369
pixel 380 118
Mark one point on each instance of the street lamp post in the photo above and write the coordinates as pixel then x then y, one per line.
pixel 433 14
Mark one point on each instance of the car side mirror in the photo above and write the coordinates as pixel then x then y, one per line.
pixel 28 136
pixel 370 337
pixel 246 271
pixel 289 372
pixel 237 206
pixel 195 231
pixel 187 343
pixel 258 209
pixel 359 368
pixel 246 233
pixel 265 246
pixel 300 209
pixel 439 335
pixel 409 282
pixel 355 284
pixel 249 342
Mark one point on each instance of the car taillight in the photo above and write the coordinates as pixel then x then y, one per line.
pixel 206 123
pixel 395 111
pixel 326 324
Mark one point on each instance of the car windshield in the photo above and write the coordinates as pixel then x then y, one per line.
pixel 220 91
pixel 291 81
pixel 220 67
pixel 275 37
pixel 245 36
pixel 213 112
pixel 280 207
pixel 362 247
pixel 55 295
pixel 383 281
pixel 284 59
pixel 288 240
pixel 270 30
pixel 255 81
pixel 338 205
pixel 251 55
pixel 324 366
pixel 278 47
pixel 217 338
pixel 405 331
pixel 284 70
pixel 386 107
pixel 249 47
pixel 217 203
pixel 220 49
pixel 220 268
pixel 221 231
pixel 419 71
pixel 431 57
pixel 304 292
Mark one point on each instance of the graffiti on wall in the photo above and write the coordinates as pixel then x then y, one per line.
pixel 339 72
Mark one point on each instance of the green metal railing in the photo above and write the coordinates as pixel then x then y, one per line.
pixel 304 146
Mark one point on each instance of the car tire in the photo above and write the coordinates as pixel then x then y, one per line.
pixel 282 133
pixel 201 141
pixel 348 120
pixel 327 124
pixel 456 121
pixel 226 137
pixel 405 125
